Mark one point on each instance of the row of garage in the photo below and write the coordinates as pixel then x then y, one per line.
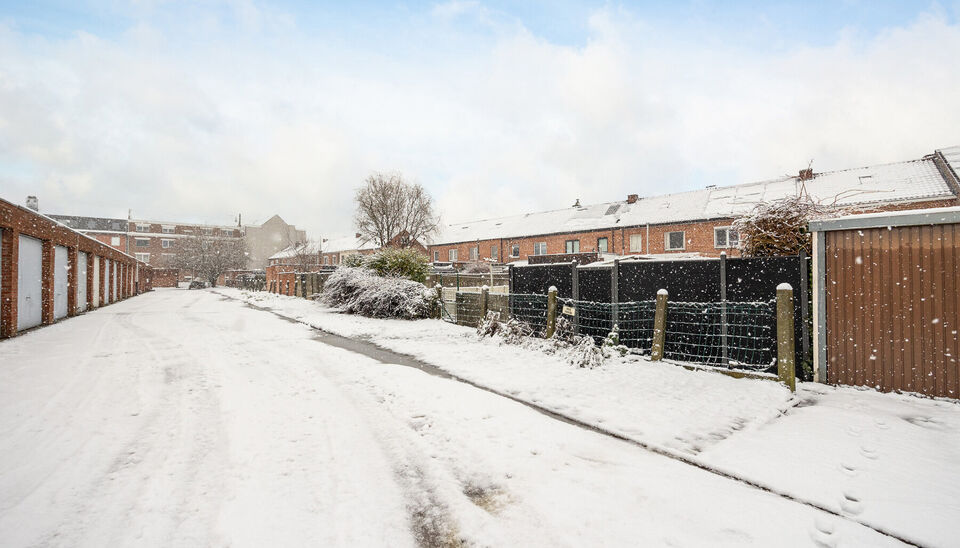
pixel 49 272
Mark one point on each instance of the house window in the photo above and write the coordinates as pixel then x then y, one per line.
pixel 115 241
pixel 208 231
pixel 326 260
pixel 143 228
pixel 452 255
pixel 141 242
pixel 674 241
pixel 636 243
pixel 168 229
pixel 166 243
pixel 725 236
pixel 602 245
pixel 474 253
pixel 436 256
pixel 540 248
pixel 494 253
pixel 572 246
pixel 142 257
pixel 515 250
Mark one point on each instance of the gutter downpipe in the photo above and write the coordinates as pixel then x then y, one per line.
pixel 648 239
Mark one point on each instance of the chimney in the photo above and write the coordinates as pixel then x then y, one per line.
pixel 806 174
pixel 632 198
pixel 577 203
pixel 33 203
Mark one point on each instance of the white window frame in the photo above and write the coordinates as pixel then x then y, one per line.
pixel 166 243
pixel 515 250
pixel 142 257
pixel 436 255
pixel 539 247
pixel 726 230
pixel 136 242
pixel 494 252
pixel 569 245
pixel 452 255
pixel 208 231
pixel 114 240
pixel 143 227
pixel 606 241
pixel 166 229
pixel 638 238
pixel 666 240
pixel 475 253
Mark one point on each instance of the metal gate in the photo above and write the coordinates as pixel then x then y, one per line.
pixel 81 281
pixel 30 283
pixel 96 281
pixel 60 285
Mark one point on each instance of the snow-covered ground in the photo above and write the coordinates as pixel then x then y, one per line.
pixel 887 460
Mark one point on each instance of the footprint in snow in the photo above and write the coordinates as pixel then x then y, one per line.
pixel 851 504
pixel 869 452
pixel 881 424
pixel 822 533
pixel 854 431
pixel 849 469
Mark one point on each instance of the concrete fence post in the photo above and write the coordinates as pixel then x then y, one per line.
pixel 615 294
pixel 723 310
pixel 786 359
pixel 551 312
pixel 484 301
pixel 659 326
pixel 575 281
pixel 439 312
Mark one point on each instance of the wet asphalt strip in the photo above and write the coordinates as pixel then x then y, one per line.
pixel 383 355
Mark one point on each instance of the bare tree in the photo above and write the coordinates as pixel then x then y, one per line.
pixel 388 207
pixel 306 255
pixel 210 256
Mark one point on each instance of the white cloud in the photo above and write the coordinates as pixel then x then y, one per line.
pixel 261 121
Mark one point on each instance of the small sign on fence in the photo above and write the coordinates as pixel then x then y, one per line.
pixel 491 315
pixel 569 311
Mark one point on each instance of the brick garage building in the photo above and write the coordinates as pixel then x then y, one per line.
pixel 698 221
pixel 49 271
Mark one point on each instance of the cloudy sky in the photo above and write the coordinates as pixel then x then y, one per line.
pixel 201 110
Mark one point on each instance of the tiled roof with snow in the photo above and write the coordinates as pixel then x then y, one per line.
pixel 952 156
pixel 293 250
pixel 346 243
pixel 914 180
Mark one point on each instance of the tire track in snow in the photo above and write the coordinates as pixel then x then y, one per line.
pixel 390 357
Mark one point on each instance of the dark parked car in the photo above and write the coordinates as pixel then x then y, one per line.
pixel 198 284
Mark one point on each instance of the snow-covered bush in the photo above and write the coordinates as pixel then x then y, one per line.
pixel 399 263
pixel 360 291
pixel 353 261
pixel 577 350
pixel 585 353
pixel 611 344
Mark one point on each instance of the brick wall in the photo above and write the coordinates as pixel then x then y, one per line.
pixel 16 221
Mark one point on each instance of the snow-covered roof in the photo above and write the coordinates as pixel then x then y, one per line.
pixel 952 156
pixel 909 217
pixel 346 243
pixel 293 250
pixel 914 180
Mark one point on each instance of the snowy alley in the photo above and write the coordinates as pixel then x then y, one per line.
pixel 189 418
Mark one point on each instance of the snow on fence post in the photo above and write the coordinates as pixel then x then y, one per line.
pixel 723 309
pixel 484 300
pixel 659 326
pixel 551 312
pixel 786 366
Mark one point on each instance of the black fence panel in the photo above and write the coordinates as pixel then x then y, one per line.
pixel 594 284
pixel 537 279
pixel 686 280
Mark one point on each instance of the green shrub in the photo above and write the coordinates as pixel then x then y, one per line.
pixel 353 261
pixel 399 263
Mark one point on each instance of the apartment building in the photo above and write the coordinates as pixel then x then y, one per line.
pixel 699 221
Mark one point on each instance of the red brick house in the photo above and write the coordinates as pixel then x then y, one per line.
pixel 696 221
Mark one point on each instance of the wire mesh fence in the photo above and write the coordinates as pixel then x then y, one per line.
pixel 734 334
pixel 729 334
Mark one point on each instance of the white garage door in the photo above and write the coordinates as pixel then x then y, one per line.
pixel 29 283
pixel 60 282
pixel 96 281
pixel 114 276
pixel 81 281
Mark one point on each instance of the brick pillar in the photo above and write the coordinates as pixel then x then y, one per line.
pixel 90 281
pixel 72 285
pixel 46 283
pixel 8 290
